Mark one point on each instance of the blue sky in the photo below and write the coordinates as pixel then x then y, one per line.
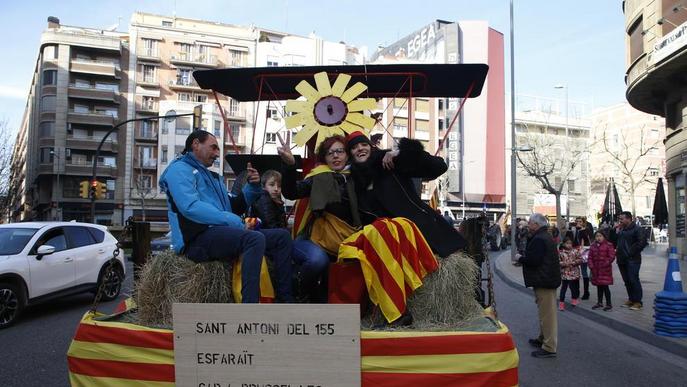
pixel 579 43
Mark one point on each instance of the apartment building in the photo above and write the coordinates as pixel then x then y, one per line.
pixel 164 53
pixel 75 97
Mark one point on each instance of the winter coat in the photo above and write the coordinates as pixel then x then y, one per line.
pixel 631 242
pixel 198 199
pixel 384 193
pixel 540 264
pixel 270 213
pixel 601 256
pixel 570 261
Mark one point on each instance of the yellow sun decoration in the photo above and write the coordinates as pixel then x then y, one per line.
pixel 329 110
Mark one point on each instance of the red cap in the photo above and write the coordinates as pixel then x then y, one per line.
pixel 356 138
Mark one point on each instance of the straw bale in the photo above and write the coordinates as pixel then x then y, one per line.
pixel 168 278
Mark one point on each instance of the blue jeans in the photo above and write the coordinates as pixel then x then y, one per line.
pixel 313 264
pixel 630 273
pixel 223 243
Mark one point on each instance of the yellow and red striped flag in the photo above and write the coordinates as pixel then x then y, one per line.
pixel 394 257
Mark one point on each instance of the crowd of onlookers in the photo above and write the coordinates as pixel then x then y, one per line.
pixel 553 258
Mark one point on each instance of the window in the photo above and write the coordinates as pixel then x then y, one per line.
pixel 440 104
pixel 47 155
pixel 218 125
pixel 107 111
pixel 109 161
pixel 49 77
pixel 272 113
pixel 653 133
pixel 204 54
pixel 571 185
pixel 46 129
pixel 149 47
pixel 145 182
pixel 107 86
pixel 54 238
pixel 98 235
pixel 236 58
pixel 272 61
pixel 166 23
pixel 78 108
pixel 48 103
pixel 184 97
pixel 636 40
pixel 146 156
pixel 441 124
pixel 654 172
pixel 184 77
pixel 202 98
pixel 233 107
pixel 183 125
pixel 50 52
pixel 78 236
pixel 149 72
pixel 163 157
pixel 235 131
pixel 270 138
pixel 149 103
pixel 653 151
pixel 82 83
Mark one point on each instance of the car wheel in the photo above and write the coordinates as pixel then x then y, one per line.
pixel 110 279
pixel 12 302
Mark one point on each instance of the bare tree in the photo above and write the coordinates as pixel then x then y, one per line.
pixel 551 162
pixel 144 191
pixel 6 188
pixel 627 156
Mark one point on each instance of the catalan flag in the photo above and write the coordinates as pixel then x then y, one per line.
pixel 117 354
pixel 394 257
pixel 266 288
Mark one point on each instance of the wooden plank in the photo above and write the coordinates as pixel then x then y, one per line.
pixel 261 344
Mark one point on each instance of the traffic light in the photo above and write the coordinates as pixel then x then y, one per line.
pixel 83 189
pixel 198 117
pixel 93 190
pixel 101 191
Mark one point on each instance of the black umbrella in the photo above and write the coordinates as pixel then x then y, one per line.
pixel 660 211
pixel 612 207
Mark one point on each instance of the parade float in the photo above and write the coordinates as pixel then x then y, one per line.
pixel 454 340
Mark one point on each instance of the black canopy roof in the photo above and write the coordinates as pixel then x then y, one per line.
pixel 394 80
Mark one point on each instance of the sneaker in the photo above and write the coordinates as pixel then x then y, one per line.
pixel 575 301
pixel 597 306
pixel 607 308
pixel 585 296
pixel 627 304
pixel 636 306
pixel 535 343
pixel 561 306
pixel 542 353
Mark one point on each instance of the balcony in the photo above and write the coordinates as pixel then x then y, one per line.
pixel 85 168
pixel 147 81
pixel 146 135
pixel 184 84
pixel 91 92
pixel 99 67
pixel 148 54
pixel 193 59
pixel 147 107
pixel 145 164
pixel 92 142
pixel 91 118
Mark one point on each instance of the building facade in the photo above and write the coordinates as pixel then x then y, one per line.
pixel 77 93
pixel 656 56
pixel 627 147
pixel 474 147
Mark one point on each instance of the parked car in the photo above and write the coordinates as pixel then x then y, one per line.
pixel 161 244
pixel 43 261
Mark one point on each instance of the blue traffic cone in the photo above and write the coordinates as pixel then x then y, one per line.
pixel 673 282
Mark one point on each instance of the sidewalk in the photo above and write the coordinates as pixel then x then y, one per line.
pixel 637 324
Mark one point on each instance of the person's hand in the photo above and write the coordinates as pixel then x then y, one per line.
pixel 252 175
pixel 284 150
pixel 388 160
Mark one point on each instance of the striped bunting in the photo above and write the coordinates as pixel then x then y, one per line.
pixel 105 353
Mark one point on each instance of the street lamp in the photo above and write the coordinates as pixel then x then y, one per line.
pixel 560 86
pixel 513 163
pixel 56 154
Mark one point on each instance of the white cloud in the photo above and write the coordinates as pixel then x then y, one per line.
pixel 12 92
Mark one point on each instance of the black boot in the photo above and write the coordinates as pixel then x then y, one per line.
pixel 585 295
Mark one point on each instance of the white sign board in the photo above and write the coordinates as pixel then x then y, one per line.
pixel 247 345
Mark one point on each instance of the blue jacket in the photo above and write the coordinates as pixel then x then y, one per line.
pixel 199 197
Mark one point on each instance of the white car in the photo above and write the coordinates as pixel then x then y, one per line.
pixel 42 261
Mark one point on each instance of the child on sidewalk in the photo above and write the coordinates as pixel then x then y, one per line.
pixel 269 207
pixel 570 272
pixel 601 256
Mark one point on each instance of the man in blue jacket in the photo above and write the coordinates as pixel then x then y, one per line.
pixel 204 228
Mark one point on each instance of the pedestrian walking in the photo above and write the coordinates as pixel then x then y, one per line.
pixel 631 242
pixel 601 257
pixel 541 271
pixel 570 261
pixel 583 239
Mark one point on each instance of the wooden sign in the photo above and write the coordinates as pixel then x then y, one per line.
pixel 261 345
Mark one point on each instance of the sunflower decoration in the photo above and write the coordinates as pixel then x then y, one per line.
pixel 329 110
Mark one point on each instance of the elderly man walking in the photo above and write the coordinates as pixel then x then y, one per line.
pixel 541 270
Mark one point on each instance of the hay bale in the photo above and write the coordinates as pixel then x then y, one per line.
pixel 168 278
pixel 445 301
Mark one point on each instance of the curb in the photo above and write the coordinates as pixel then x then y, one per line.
pixel 622 327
